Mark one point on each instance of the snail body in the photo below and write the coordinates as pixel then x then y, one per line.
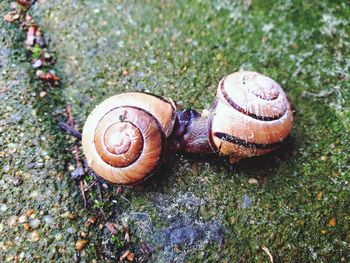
pixel 123 137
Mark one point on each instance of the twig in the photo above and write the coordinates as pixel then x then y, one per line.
pixel 66 127
pixel 102 182
pixel 91 185
pixel 321 94
pixel 267 251
pixel 71 123
pixel 101 198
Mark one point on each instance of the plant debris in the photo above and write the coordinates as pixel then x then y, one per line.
pixel 266 250
pixel 81 244
pixel 332 222
pixel 35 42
pixel 128 255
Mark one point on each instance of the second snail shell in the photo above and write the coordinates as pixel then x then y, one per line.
pixel 251 115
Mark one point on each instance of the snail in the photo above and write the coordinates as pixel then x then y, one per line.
pixel 251 116
pixel 125 136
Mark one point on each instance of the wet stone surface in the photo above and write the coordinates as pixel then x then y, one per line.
pixel 293 202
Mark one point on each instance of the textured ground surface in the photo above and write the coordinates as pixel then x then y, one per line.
pixel 299 208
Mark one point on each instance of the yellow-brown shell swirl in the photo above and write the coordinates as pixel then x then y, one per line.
pixel 251 115
pixel 123 136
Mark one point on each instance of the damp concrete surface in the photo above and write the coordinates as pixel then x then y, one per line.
pixel 293 203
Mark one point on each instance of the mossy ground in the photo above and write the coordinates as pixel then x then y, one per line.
pixel 181 49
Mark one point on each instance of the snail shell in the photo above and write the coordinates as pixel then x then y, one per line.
pixel 251 115
pixel 123 136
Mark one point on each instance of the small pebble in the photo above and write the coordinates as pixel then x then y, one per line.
pixel 22 219
pixel 70 215
pixel 125 73
pixel 42 94
pixel 40 73
pixel 3 207
pixel 34 223
pixel 58 236
pixel 78 173
pixel 34 236
pixel 71 230
pixel 48 219
pixel 17 181
pixel 12 221
pixel 37 63
pixel 6 168
pixel 34 194
pixel 247 202
pixel 83 234
pixel 253 181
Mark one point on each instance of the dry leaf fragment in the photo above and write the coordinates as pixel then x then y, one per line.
pixel 144 248
pixel 91 221
pixel 177 248
pixel 11 16
pixel 30 212
pixel 49 76
pixel 26 226
pixel 5 89
pixel 27 3
pixel 39 38
pixel 125 73
pixel 267 251
pixel 31 36
pixel 332 222
pixel 83 234
pixel 111 227
pixel 126 253
pixel 80 244
pixel 120 190
pixel 131 256
pixel 126 236
pixel 319 196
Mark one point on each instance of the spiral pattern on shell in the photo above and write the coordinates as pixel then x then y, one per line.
pixel 124 135
pixel 251 115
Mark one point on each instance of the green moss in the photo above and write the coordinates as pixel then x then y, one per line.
pixel 181 49
pixel 36 52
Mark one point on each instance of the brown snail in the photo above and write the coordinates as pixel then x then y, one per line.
pixel 124 137
pixel 251 116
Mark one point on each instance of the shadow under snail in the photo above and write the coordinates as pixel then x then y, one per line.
pixel 125 136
